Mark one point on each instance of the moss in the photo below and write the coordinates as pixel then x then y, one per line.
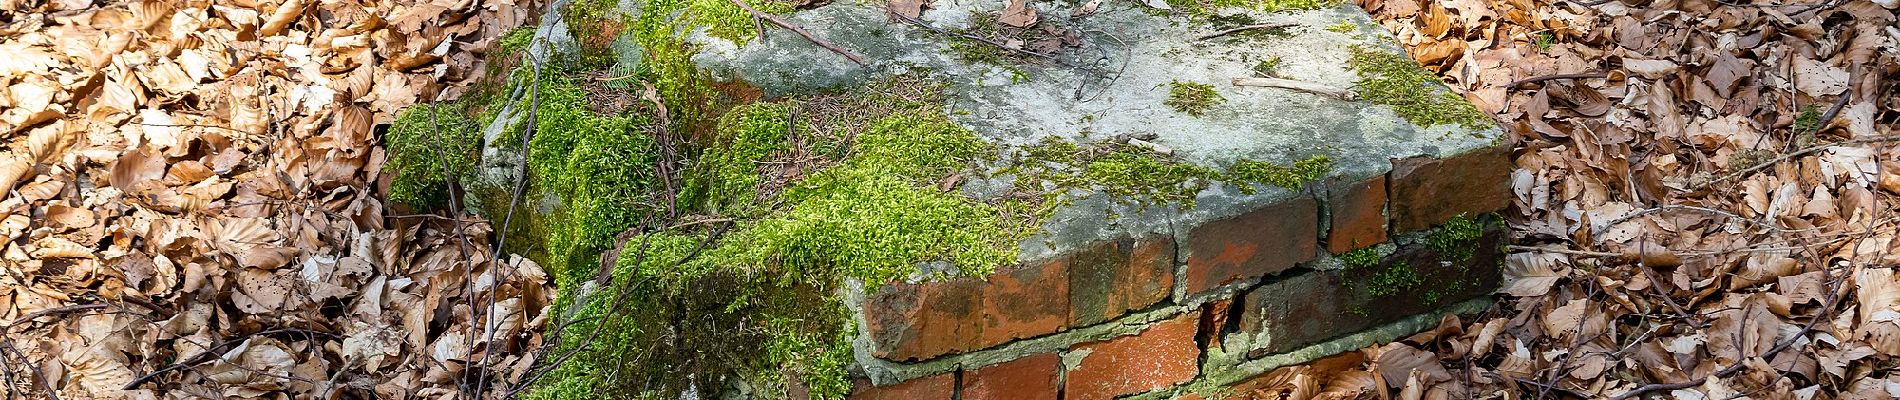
pixel 1143 177
pixel 601 167
pixel 1394 279
pixel 517 39
pixel 1268 68
pixel 593 24
pixel 1342 27
pixel 725 20
pixel 1361 258
pixel 1456 239
pixel 1392 79
pixel 725 179
pixel 1808 120
pixel 1192 98
pixel 1138 173
pixel 422 140
pixel 1292 177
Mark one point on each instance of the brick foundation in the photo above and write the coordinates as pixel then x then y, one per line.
pixel 1145 314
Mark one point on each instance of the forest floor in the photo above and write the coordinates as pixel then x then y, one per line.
pixel 1706 202
pixel 1707 198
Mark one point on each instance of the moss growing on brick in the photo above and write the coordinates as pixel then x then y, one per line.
pixel 1456 239
pixel 1397 278
pixel 1392 79
pixel 1192 98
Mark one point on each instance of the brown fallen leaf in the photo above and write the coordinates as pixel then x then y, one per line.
pixel 1018 13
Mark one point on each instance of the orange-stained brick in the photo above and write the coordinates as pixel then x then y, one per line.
pixel 1028 378
pixel 1163 355
pixel 1026 302
pixel 1358 215
pixel 1260 242
pixel 934 387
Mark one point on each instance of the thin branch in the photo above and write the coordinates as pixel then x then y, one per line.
pixel 775 20
pixel 1303 86
pixel 1243 28
pixel 1581 75
pixel 51 311
pixel 1802 152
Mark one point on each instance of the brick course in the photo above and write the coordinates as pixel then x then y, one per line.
pixel 1427 191
pixel 934 387
pixel 1032 377
pixel 1313 306
pixel 1161 356
pixel 1113 278
pixel 1257 243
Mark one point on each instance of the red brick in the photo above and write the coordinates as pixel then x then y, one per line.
pixel 1427 191
pixel 1028 378
pixel 1026 302
pixel 939 386
pixel 1260 242
pixel 1358 215
pixel 1163 355
pixel 920 321
pixel 1112 278
pixel 1314 306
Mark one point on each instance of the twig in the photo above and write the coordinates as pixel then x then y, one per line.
pixel 51 311
pixel 1802 152
pixel 1543 386
pixel 1243 28
pixel 775 20
pixel 1669 207
pixel 51 394
pixel 1309 87
pixel 1580 75
pixel 494 260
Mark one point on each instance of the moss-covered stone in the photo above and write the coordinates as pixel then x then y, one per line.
pixel 1192 98
pixel 1392 79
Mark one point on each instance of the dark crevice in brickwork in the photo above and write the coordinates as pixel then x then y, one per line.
pixel 956 389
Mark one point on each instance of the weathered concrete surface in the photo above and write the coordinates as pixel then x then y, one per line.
pixel 1116 83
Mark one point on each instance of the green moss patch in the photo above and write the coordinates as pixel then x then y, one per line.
pixel 423 140
pixel 1192 98
pixel 1141 176
pixel 1392 79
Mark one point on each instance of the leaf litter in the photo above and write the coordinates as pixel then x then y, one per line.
pixel 1706 204
pixel 189 198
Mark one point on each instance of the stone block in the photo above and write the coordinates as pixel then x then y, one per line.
pixel 1426 191
pixel 1163 355
pixel 1254 244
